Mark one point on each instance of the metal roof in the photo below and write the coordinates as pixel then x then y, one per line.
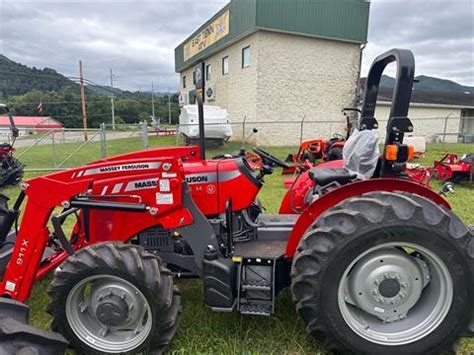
pixel 432 98
pixel 343 20
pixel 31 121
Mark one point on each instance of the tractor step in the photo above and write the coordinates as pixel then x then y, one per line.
pixel 257 285
pixel 256 293
pixel 256 309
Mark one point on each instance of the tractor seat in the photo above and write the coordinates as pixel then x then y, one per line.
pixel 324 176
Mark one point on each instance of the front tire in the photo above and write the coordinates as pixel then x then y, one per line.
pixel 358 277
pixel 114 298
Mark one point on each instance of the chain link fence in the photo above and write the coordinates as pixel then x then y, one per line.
pixel 51 150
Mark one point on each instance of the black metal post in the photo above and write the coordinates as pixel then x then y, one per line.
pixel 200 89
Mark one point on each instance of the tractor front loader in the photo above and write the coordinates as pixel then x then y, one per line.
pixel 376 263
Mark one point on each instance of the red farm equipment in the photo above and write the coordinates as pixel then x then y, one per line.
pixel 450 168
pixel 320 150
pixel 375 266
pixel 455 169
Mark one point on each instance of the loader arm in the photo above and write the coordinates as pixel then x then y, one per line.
pixel 105 197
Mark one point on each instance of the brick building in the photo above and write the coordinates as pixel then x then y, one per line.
pixel 278 60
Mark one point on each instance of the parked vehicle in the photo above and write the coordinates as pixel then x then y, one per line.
pixel 379 265
pixel 217 125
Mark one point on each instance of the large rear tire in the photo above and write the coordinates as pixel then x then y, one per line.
pixel 114 298
pixel 386 273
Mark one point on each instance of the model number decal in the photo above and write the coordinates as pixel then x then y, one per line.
pixel 21 253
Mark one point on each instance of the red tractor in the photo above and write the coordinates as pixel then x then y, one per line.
pixel 320 150
pixel 378 265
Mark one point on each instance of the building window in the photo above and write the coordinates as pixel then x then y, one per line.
pixel 194 78
pixel 208 72
pixel 245 57
pixel 225 65
pixel 184 82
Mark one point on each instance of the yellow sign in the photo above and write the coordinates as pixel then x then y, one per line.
pixel 216 30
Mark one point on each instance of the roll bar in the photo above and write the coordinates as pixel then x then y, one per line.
pixel 398 122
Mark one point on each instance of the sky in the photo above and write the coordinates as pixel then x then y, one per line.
pixel 137 38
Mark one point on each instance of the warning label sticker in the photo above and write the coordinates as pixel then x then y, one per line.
pixel 165 185
pixel 164 199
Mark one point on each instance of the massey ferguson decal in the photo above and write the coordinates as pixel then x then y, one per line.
pixel 141 184
pixel 118 168
pixel 208 178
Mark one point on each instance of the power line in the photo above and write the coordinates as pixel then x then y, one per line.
pixel 58 76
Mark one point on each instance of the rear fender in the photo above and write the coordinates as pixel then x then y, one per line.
pixel 332 198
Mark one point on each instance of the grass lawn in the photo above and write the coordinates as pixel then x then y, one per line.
pixel 204 331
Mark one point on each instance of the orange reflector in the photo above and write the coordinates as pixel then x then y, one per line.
pixel 391 152
pixel 411 152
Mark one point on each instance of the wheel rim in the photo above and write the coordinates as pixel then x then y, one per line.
pixel 395 293
pixel 109 314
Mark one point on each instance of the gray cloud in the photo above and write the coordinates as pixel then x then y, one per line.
pixel 137 38
pixel 440 33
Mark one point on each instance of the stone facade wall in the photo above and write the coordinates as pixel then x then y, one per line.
pixel 289 77
pixel 304 77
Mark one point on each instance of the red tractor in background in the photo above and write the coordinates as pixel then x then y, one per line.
pixel 376 265
pixel 321 150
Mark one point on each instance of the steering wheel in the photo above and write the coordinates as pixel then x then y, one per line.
pixel 267 157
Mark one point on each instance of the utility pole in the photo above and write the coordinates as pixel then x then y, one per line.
pixel 169 107
pixel 152 102
pixel 112 98
pixel 83 99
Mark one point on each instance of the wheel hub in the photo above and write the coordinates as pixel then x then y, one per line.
pixel 109 312
pixel 387 283
pixel 112 310
pixel 389 288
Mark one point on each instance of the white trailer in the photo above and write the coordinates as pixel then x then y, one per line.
pixel 216 124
